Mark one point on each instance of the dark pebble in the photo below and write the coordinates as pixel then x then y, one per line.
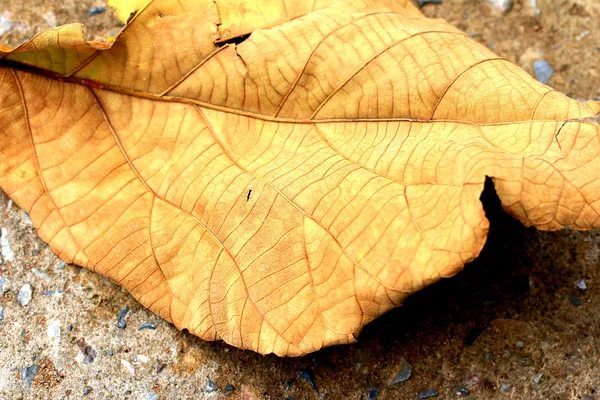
pixel 229 388
pixel 372 394
pixel 28 373
pixel 288 384
pixel 147 325
pixel 88 352
pixel 121 324
pixel 160 368
pixel 404 374
pixel 308 377
pixel 425 394
pixel 575 301
pixel 95 11
pixel 422 3
pixel 86 390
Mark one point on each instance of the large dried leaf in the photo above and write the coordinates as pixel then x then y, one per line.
pixel 280 190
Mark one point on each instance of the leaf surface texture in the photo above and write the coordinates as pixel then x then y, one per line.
pixel 278 173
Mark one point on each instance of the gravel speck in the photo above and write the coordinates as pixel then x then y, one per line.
pixel 25 294
pixel 462 391
pixel 372 394
pixel 229 388
pixel 505 387
pixel 211 386
pixel 404 373
pixel 1 313
pixel 574 300
pixel 60 265
pixel 152 396
pixel 520 343
pixel 427 393
pixel 25 218
pixel 95 11
pixel 121 324
pixel 86 390
pixel 543 71
pixel 88 353
pixel 53 330
pixel 7 253
pixel 28 373
pixel 538 378
pixel 50 19
pixel 147 325
pixel 5 25
pixel 2 283
pixel 127 367
pixel 40 274
pixel 580 284
pixel 500 5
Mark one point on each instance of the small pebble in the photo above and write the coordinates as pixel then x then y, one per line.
pixel 425 394
pixel 7 253
pixel 5 26
pixel 582 35
pixel 505 387
pixel 25 218
pixel 40 274
pixel 25 294
pixel 500 5
pixel 50 19
pixel 53 330
pixel 404 374
pixel 580 284
pixel 229 388
pixel 372 394
pixel 1 313
pixel 211 386
pixel 60 265
pixel 127 367
pixel 121 324
pixel 110 352
pixel 538 378
pixel 95 11
pixel 462 391
pixel 288 384
pixel 308 377
pixel 152 396
pixel 2 283
pixel 86 390
pixel 160 368
pixel 520 343
pixel 28 373
pixel 147 325
pixel 543 71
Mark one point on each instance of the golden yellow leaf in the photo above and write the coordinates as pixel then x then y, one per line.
pixel 278 173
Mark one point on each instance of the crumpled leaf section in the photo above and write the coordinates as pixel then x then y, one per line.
pixel 276 174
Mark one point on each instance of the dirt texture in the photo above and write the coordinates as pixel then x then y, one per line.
pixel 521 322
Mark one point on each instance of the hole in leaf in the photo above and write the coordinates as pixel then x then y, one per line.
pixel 232 40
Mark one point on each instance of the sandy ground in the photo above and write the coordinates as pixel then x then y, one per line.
pixel 516 324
